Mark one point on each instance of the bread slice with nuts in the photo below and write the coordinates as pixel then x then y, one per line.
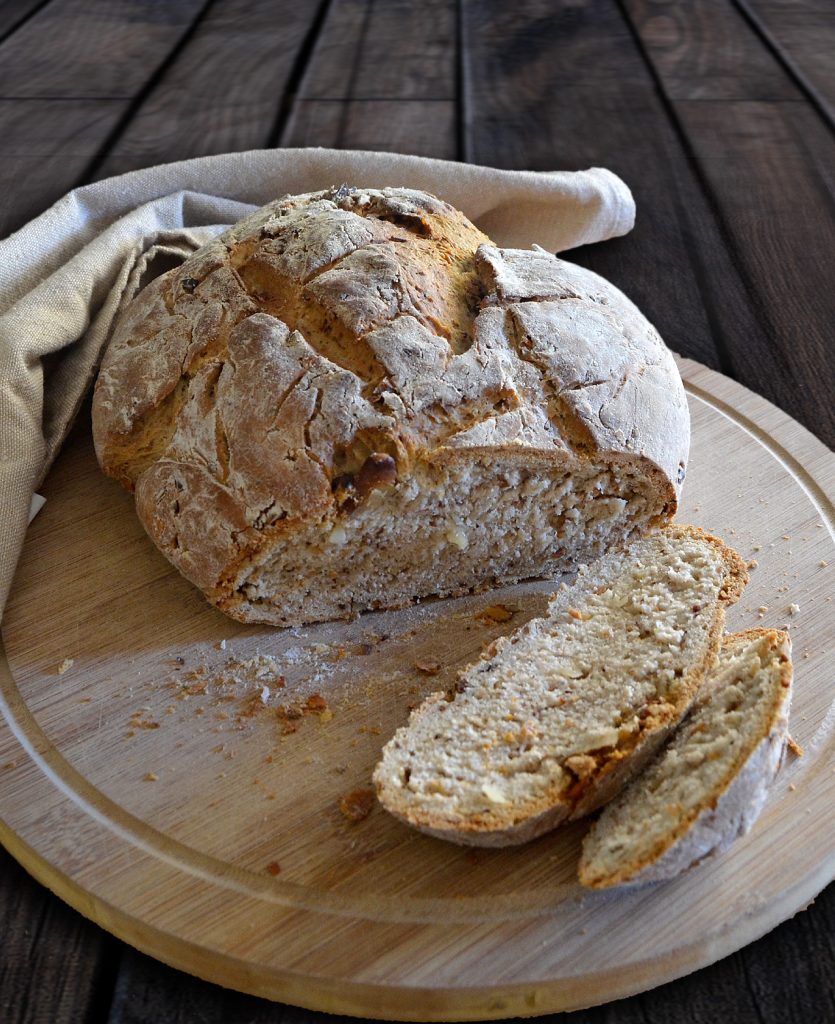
pixel 554 719
pixel 353 400
pixel 710 782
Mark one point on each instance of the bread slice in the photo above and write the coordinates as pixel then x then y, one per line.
pixel 554 719
pixel 710 783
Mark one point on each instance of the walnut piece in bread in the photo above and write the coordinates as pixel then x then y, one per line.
pixel 353 400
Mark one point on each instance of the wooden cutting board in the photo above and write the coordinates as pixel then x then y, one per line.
pixel 157 775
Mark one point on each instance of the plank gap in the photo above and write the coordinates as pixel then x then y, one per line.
pixel 725 363
pixel 789 66
pixel 105 979
pixel 91 170
pixel 298 70
pixel 34 10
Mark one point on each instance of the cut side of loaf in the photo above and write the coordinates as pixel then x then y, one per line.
pixel 554 719
pixel 353 400
pixel 710 783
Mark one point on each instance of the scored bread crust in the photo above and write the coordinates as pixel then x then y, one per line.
pixel 323 350
pixel 526 819
pixel 730 808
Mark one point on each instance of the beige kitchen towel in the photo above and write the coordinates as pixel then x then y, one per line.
pixel 64 276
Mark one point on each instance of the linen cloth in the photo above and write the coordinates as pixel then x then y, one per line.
pixel 65 275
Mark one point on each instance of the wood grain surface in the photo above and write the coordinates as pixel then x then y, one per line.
pixel 800 33
pixel 199 768
pixel 765 159
pixel 198 105
pixel 707 262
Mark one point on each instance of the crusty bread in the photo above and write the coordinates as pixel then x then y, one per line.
pixel 352 400
pixel 554 719
pixel 709 784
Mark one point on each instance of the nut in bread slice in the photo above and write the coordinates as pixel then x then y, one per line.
pixel 554 719
pixel 710 782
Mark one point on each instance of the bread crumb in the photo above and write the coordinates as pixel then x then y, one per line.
pixel 151 777
pixel 582 765
pixel 10 764
pixel 794 609
pixel 273 868
pixel 787 536
pixel 65 665
pixel 357 805
pixel 757 547
pixel 753 564
pixel 823 563
pixel 792 787
pixel 495 613
pixel 794 746
pixel 428 668
pixel 575 613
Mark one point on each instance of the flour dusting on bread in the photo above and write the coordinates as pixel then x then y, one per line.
pixel 710 783
pixel 353 399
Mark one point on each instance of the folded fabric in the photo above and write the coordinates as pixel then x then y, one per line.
pixel 65 275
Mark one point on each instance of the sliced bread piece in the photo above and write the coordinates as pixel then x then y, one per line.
pixel 710 782
pixel 554 719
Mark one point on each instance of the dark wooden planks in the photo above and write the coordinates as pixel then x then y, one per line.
pixel 67 78
pixel 224 92
pixel 85 48
pixel 768 168
pixel 388 49
pixel 574 92
pixel 47 145
pixel 700 52
pixel 14 13
pixel 803 34
pixel 756 983
pixel 382 76
pixel 55 967
pixel 421 127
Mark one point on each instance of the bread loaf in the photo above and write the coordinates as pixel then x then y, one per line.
pixel 554 719
pixel 352 400
pixel 710 783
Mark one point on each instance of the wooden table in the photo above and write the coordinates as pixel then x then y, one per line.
pixel 720 117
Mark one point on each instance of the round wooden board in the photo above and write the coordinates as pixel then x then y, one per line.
pixel 149 779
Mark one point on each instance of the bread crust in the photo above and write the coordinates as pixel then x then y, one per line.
pixel 525 820
pixel 728 810
pixel 239 389
pixel 614 772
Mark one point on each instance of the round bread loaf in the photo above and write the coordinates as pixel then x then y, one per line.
pixel 353 399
